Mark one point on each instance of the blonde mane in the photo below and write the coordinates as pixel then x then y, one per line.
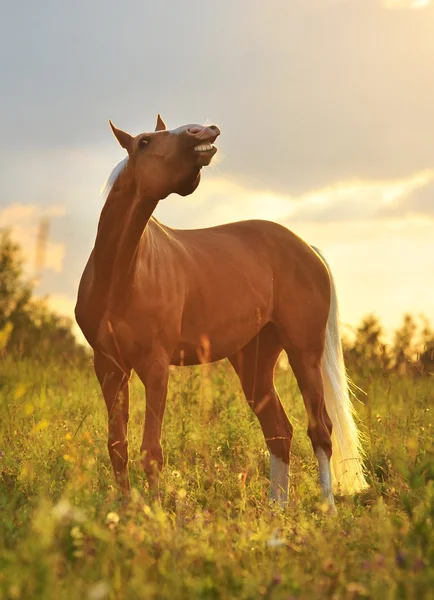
pixel 112 178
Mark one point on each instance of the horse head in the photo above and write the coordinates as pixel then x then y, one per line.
pixel 168 161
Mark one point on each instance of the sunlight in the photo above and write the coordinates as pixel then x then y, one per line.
pixel 406 4
pixel 413 221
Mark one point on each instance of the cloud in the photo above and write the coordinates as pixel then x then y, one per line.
pixel 418 203
pixel 355 201
pixel 17 213
pixel 220 200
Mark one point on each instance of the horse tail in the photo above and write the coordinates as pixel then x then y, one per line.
pixel 347 456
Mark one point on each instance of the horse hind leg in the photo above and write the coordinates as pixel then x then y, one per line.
pixel 115 389
pixel 306 365
pixel 254 365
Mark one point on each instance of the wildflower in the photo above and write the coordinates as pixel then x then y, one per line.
pixel 64 511
pixel 329 565
pixel 112 520
pixel 401 559
pixel 86 437
pixel 357 589
pixel 76 533
pixel 275 541
pixel 418 565
pixel 14 591
pixel 380 561
pixel 99 591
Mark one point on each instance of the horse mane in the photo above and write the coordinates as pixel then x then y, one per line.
pixel 113 177
pixel 119 168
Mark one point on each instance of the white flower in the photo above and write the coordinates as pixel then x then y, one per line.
pixel 112 520
pixel 99 591
pixel 65 511
pixel 274 541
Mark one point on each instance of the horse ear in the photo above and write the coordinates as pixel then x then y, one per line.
pixel 124 138
pixel 161 125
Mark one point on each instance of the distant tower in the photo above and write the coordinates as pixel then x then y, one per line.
pixel 41 245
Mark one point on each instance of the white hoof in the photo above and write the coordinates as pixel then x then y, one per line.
pixel 279 481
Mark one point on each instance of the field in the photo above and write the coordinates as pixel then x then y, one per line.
pixel 65 534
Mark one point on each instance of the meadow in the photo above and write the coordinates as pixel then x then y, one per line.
pixel 66 534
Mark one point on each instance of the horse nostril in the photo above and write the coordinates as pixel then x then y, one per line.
pixel 213 127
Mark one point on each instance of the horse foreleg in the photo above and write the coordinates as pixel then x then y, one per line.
pixel 254 365
pixel 114 386
pixel 154 375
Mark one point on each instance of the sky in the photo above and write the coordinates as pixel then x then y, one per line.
pixel 325 108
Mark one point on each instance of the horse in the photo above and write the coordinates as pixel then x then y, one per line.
pixel 152 296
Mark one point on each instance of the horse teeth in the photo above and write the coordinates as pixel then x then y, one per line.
pixel 203 148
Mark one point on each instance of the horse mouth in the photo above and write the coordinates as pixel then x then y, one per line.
pixel 205 152
pixel 204 147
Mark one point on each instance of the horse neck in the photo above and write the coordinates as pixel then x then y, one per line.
pixel 121 227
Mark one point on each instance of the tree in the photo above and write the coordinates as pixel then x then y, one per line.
pixel 27 325
pixel 14 292
pixel 368 353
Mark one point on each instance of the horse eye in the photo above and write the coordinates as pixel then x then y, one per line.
pixel 143 143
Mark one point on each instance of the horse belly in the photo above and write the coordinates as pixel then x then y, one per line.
pixel 228 302
pixel 209 338
pixel 208 349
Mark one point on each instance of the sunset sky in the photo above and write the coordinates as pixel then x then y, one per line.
pixel 326 109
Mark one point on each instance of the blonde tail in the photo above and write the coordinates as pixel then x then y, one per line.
pixel 347 457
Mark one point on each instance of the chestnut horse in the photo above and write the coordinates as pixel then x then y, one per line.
pixel 152 296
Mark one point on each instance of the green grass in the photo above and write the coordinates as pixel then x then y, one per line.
pixel 65 534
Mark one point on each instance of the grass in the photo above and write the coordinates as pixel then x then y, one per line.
pixel 65 534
